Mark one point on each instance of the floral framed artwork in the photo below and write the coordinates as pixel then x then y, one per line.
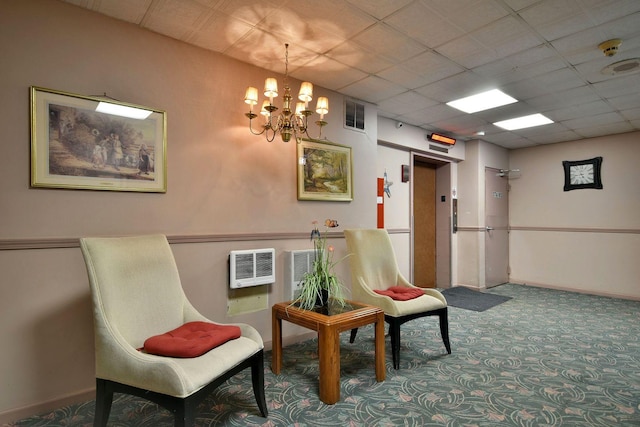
pixel 96 143
pixel 324 171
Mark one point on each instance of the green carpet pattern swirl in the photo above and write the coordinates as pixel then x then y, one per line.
pixel 543 358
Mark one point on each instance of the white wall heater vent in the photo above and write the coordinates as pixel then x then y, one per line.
pixel 296 264
pixel 252 268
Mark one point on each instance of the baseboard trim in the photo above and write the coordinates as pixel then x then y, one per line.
pixel 47 406
pixel 573 289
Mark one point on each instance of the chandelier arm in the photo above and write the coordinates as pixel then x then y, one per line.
pixel 273 135
pixel 253 131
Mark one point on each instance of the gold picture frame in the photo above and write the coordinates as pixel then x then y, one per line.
pixel 75 144
pixel 324 171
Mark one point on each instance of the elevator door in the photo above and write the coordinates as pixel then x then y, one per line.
pixel 424 225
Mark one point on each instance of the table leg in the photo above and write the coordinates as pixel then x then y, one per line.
pixel 329 360
pixel 276 343
pixel 380 356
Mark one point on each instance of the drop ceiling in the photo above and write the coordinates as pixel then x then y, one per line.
pixel 410 57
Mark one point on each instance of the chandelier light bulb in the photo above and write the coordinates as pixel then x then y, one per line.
pixel 306 93
pixel 322 107
pixel 271 88
pixel 251 96
pixel 264 110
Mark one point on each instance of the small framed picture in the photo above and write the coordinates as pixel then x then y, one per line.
pixel 582 174
pixel 324 171
pixel 96 143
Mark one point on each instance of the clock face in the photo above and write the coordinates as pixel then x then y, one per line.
pixel 581 174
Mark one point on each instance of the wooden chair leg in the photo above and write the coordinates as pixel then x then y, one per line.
pixel 104 399
pixel 352 338
pixel 444 328
pixel 257 378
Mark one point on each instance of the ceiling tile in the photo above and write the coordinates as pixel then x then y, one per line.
pixel 219 33
pixel 372 89
pixel 468 52
pixel 507 36
pixel 404 77
pixel 407 102
pixel 326 72
pixel 380 8
pixel 579 111
pixel 175 18
pixel 248 10
pixel 468 15
pixel 132 12
pixel 423 24
pixel 631 114
pixel 556 18
pixel 389 43
pixel 591 121
pixel 352 54
pixel 568 98
pixel 604 129
pixel 433 66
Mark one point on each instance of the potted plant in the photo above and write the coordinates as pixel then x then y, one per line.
pixel 321 284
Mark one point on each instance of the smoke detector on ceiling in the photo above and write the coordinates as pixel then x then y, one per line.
pixel 610 47
pixel 626 66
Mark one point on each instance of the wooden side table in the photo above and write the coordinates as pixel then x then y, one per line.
pixel 328 325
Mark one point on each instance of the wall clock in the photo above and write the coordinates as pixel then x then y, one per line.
pixel 582 174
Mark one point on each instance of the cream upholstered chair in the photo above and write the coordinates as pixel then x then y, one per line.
pixel 136 293
pixel 374 267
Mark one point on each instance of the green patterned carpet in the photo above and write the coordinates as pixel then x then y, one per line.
pixel 543 358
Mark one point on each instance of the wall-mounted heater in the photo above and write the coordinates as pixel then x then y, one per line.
pixel 446 140
pixel 295 265
pixel 252 267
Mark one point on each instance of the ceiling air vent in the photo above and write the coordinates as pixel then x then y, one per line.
pixel 627 66
pixel 353 115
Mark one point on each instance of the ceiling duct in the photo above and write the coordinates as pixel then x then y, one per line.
pixel 626 66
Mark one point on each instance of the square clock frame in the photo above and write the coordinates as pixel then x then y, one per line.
pixel 582 174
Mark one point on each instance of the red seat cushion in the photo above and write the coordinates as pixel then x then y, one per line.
pixel 191 339
pixel 400 293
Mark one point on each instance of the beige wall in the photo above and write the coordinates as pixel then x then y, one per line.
pixel 223 185
pixel 586 240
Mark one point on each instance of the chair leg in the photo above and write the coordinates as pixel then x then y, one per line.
pixel 352 338
pixel 257 378
pixel 185 412
pixel 394 333
pixel 104 399
pixel 444 328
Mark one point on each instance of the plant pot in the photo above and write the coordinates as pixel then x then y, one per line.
pixel 322 300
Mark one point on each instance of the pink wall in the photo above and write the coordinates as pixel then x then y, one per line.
pixel 226 189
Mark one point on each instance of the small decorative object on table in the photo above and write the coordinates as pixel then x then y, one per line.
pixel 321 284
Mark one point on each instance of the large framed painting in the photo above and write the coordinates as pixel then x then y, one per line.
pixel 324 171
pixel 96 143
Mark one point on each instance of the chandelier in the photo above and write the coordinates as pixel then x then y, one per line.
pixel 289 122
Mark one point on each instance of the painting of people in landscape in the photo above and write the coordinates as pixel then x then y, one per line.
pixel 324 171
pixel 75 146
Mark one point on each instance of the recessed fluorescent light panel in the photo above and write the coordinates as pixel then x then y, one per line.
pixel 122 110
pixel 482 101
pixel 524 122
